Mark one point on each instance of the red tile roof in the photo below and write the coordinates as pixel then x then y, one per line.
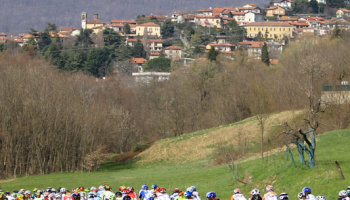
pixel 95 21
pixel 138 60
pixel 345 10
pixel 274 61
pixel 149 24
pixel 2 34
pixel 173 48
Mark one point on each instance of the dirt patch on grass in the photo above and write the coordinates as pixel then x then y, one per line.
pixel 196 147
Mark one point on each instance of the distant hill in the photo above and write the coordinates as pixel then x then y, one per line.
pixel 18 16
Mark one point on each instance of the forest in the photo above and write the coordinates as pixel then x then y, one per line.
pixel 18 16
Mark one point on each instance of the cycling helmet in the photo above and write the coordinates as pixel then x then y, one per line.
pixel 300 195
pixel 284 196
pixel 27 192
pixel 123 191
pixel 154 186
pixel 15 191
pixel 237 191
pixel 270 188
pixel 35 189
pixel 194 188
pixel 107 187
pixel 189 189
pixel 81 189
pixel 59 189
pixel 74 190
pixel 53 190
pixel 49 189
pixel 321 197
pixel 307 190
pixel 144 187
pixel 63 190
pixel 176 190
pixel 343 194
pixel 162 190
pixel 211 194
pixel 7 192
pixel 255 192
pixel 101 188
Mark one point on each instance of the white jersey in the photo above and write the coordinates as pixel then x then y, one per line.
pixel 238 197
pixel 196 194
pixel 271 196
pixel 107 194
pixel 163 196
pixel 174 196
pixel 310 197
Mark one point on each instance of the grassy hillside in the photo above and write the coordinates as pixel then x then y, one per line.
pixel 201 173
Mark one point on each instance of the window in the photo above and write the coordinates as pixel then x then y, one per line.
pixel 284 29
pixel 156 29
pixel 150 29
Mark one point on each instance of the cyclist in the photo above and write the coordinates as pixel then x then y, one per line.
pixel 348 191
pixel 37 196
pixel 270 195
pixel 163 195
pixel 107 194
pixel 132 194
pixel 237 195
pixel 2 195
pixel 144 193
pixel 343 195
pixel 175 194
pixel 255 195
pixel 195 193
pixel 307 194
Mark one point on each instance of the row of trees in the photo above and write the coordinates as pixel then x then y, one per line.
pixel 55 121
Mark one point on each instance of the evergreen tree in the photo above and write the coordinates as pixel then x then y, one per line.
pixel 112 40
pixel 97 62
pixel 160 64
pixel 212 55
pixel 83 39
pixel 314 6
pixel 138 50
pixel 126 28
pixel 168 29
pixel 265 55
pixel 53 54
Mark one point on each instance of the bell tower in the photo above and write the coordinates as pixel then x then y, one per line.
pixel 83 20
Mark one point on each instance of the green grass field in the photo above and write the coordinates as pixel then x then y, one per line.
pixel 275 170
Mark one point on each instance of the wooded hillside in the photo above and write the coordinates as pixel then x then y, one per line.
pixel 18 16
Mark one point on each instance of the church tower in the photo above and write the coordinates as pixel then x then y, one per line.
pixel 83 20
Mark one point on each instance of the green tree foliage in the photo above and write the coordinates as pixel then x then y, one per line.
pixel 237 33
pixel 74 59
pixel 112 40
pixel 126 28
pixel 212 55
pixel 160 64
pixel 53 54
pixel 336 3
pixel 138 50
pixel 123 53
pixel 168 29
pixel 313 6
pixel 301 6
pixel 97 62
pixel 265 54
pixel 83 39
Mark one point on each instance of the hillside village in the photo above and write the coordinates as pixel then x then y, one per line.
pixel 273 26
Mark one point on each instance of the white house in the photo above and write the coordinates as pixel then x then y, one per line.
pixel 253 17
pixel 287 4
